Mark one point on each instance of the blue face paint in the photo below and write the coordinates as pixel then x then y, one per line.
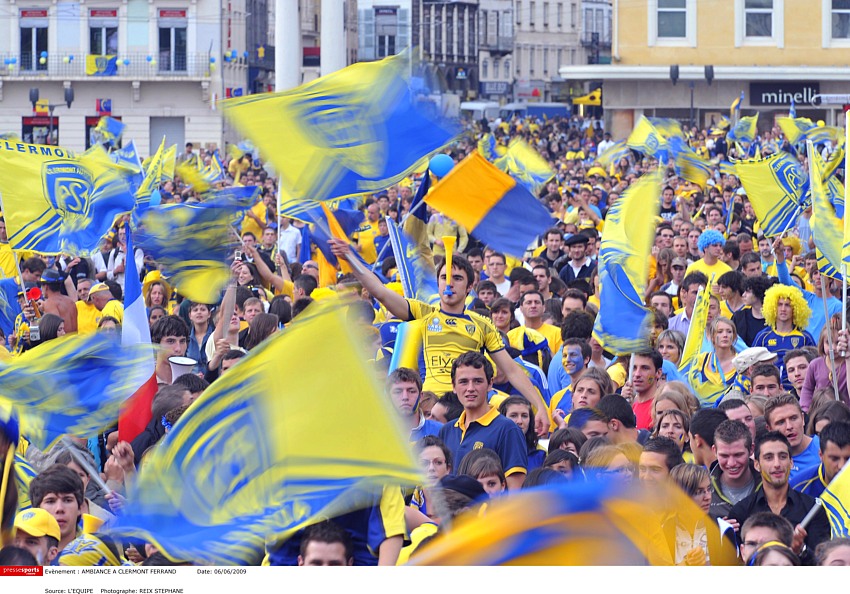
pixel 574 359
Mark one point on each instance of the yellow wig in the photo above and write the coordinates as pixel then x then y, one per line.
pixel 798 304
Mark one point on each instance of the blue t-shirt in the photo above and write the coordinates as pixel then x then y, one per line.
pixel 810 481
pixel 805 460
pixel 429 427
pixel 557 375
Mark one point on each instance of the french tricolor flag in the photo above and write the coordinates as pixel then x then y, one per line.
pixel 136 411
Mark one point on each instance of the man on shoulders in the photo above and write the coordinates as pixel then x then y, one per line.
pixel 57 303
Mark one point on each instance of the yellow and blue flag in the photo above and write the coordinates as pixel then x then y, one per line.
pixel 667 127
pixel 735 108
pixel 417 278
pixel 525 165
pixel 745 131
pixel 57 202
pixel 827 228
pixel 490 149
pixel 776 187
pixel 128 158
pixel 687 164
pixel 721 127
pixel 192 241
pixel 792 111
pixel 354 131
pixel 696 328
pixel 147 194
pixel 836 502
pixel 9 306
pixel 794 129
pixel 601 521
pixel 109 130
pixel 169 159
pixel 495 209
pixel 646 138
pixel 71 385
pixel 201 178
pixel 626 244
pixel 253 459
pixel 24 473
pixel 415 224
pixel 101 65
pixel 614 154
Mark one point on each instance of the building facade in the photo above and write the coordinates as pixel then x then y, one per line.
pixel 383 28
pixel 495 49
pixel 154 65
pixel 548 35
pixel 446 35
pixel 771 50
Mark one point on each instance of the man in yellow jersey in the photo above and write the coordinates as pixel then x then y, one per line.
pixel 101 297
pixel 448 330
pixel 368 232
pixel 531 306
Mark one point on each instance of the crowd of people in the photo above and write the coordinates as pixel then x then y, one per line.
pixel 513 389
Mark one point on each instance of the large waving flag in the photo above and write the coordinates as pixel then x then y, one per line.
pixel 136 411
pixel 601 521
pixel 490 149
pixel 354 131
pixel 56 202
pixel 646 138
pixel 495 209
pixel 623 255
pixel 417 278
pixel 193 240
pixel 688 165
pixel 614 153
pixel 109 130
pixel 827 228
pixel 776 187
pixel 147 194
pixel 254 460
pixel 525 165
pixel 836 501
pixel 72 385
pixel 202 178
pixel 795 129
pixel 745 131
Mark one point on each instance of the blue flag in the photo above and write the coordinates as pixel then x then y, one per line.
pixel 9 306
pixel 416 280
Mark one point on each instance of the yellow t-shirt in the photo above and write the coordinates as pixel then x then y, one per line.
pixel 365 237
pixel 7 261
pixel 249 224
pixel 551 333
pixel 715 270
pixel 114 309
pixel 87 317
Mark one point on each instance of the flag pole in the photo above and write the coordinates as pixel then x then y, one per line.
pixel 846 238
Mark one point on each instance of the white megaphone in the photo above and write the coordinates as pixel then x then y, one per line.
pixel 181 366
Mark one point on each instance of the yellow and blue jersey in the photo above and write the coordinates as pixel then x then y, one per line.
pixel 446 337
pixel 779 343
pixel 707 380
pixel 491 431
pixel 810 481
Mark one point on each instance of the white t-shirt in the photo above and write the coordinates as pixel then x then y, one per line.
pixel 287 241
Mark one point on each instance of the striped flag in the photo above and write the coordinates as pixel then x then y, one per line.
pixel 136 411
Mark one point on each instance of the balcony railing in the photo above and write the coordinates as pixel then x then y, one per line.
pixel 134 65
pixel 495 45
pixel 588 37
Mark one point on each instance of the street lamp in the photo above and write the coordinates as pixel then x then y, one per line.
pixel 674 77
pixel 69 99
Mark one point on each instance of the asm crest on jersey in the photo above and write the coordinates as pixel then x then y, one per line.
pixel 478 445
pixel 470 328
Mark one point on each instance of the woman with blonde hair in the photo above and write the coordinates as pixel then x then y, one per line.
pixel 712 373
pixel 676 425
